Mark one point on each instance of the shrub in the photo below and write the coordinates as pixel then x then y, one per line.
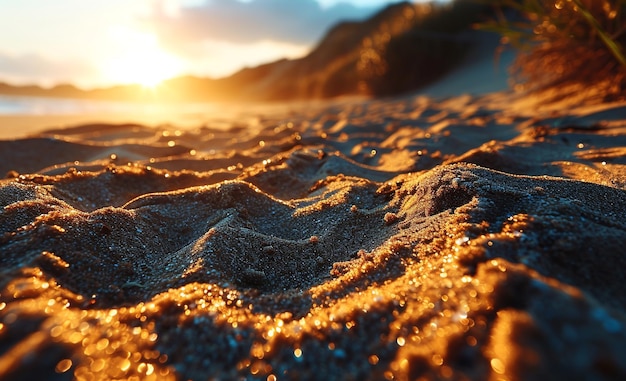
pixel 428 47
pixel 567 44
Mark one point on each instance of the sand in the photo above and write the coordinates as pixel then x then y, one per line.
pixel 465 237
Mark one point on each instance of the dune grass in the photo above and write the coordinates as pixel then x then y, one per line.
pixel 424 52
pixel 567 44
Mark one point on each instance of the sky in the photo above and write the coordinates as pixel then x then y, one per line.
pixel 99 43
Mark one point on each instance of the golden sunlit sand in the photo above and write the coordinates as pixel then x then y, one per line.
pixel 463 232
pixel 459 238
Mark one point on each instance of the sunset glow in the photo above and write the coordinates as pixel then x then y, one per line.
pixel 147 68
pixel 106 43
pixel 140 60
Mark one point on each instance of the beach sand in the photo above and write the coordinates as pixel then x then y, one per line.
pixel 461 237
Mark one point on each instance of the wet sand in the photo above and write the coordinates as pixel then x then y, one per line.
pixel 468 237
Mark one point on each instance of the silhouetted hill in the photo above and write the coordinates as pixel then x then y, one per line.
pixel 401 48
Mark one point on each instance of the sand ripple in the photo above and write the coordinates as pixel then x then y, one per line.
pixel 358 240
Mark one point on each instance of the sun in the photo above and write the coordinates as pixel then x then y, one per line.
pixel 143 67
pixel 139 59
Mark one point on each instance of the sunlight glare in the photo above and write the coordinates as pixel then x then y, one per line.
pixel 140 61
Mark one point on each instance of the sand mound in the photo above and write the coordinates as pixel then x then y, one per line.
pixel 391 239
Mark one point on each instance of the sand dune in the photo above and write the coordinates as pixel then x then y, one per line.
pixel 467 237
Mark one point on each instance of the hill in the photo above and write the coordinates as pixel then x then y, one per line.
pixel 399 49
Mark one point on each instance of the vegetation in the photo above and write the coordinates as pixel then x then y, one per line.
pixel 569 45
pixel 424 51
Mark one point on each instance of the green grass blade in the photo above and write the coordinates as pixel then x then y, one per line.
pixel 613 46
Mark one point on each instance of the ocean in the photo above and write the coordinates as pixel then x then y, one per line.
pixel 21 116
pixel 25 105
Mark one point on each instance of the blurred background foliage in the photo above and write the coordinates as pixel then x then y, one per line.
pixel 566 44
pixel 428 48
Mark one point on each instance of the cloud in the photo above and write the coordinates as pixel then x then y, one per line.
pixel 33 68
pixel 208 57
pixel 296 22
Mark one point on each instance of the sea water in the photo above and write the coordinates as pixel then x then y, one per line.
pixel 26 105
pixel 24 115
